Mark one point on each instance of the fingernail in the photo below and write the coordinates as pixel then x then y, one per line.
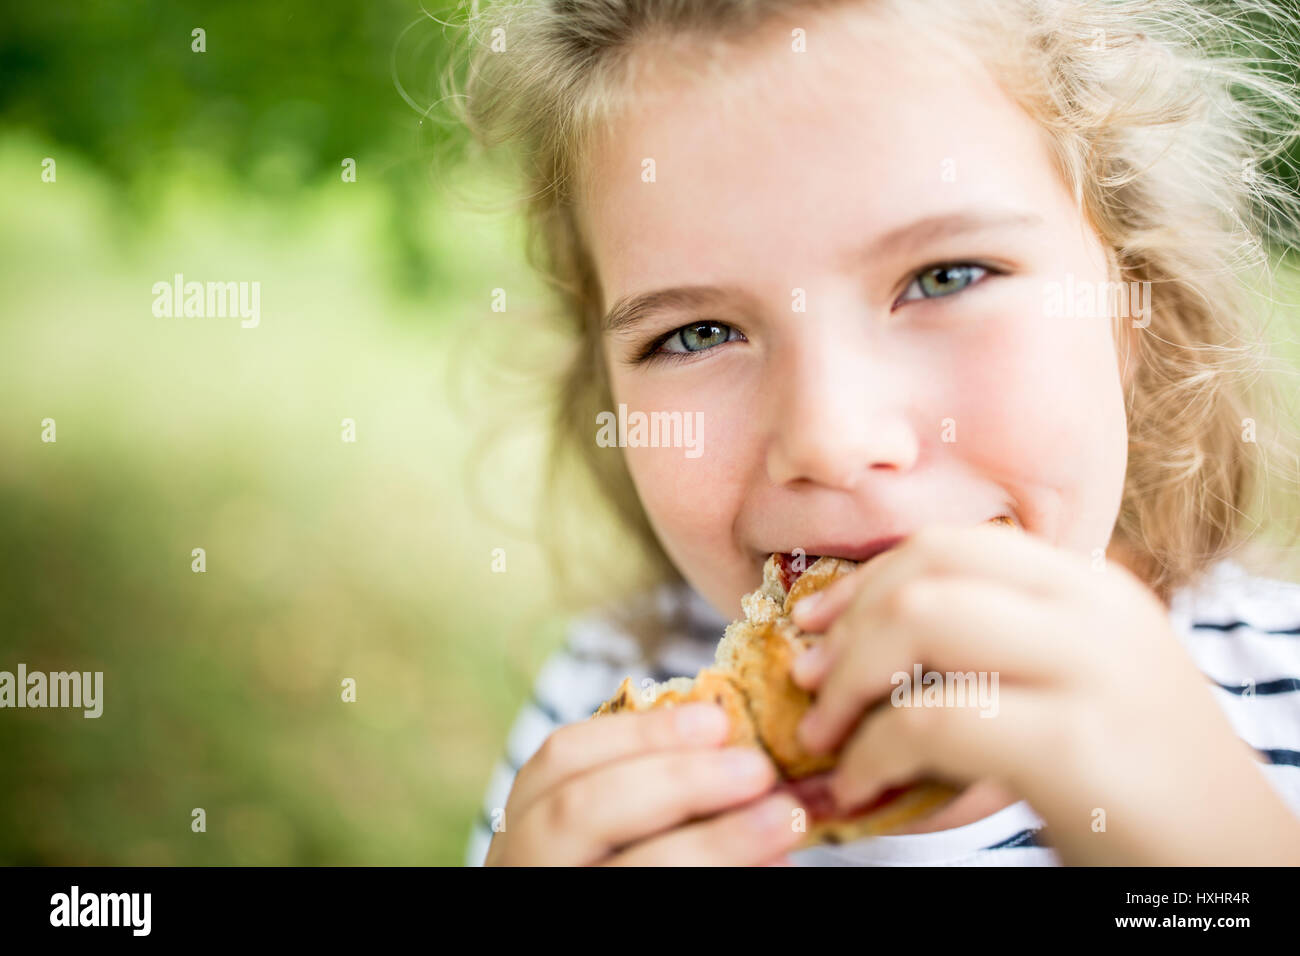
pixel 804 609
pixel 808 664
pixel 701 722
pixel 744 762
pixel 772 814
pixel 808 729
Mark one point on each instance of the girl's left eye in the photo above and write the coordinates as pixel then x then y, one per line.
pixel 938 281
pixel 698 336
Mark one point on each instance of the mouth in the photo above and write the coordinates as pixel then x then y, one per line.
pixel 792 565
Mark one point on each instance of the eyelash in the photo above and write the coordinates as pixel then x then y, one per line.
pixel 651 353
pixel 984 268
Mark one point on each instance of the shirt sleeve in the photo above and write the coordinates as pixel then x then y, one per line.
pixel 571 685
pixel 1243 632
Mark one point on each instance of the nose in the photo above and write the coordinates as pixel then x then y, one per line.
pixel 839 414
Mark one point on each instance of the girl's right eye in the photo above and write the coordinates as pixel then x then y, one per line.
pixel 696 337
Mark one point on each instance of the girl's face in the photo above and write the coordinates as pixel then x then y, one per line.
pixel 848 268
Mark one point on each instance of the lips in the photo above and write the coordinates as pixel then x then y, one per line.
pixel 792 568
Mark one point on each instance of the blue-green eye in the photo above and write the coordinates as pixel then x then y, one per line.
pixel 698 337
pixel 938 281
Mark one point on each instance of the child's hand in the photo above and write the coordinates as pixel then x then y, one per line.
pixel 629 789
pixel 1102 721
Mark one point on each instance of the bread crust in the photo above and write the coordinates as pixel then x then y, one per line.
pixel 710 685
pixel 761 657
pixel 820 575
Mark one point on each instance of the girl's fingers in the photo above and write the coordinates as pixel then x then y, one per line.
pixel 577 748
pixel 816 611
pixel 960 625
pixel 853 592
pixel 749 836
pixel 984 550
pixel 895 745
pixel 616 804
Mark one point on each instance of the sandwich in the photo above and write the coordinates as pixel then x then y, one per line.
pixel 750 680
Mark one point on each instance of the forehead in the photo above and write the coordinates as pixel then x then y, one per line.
pixel 766 158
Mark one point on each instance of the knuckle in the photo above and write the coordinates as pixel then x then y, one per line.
pixel 689 773
pixel 568 807
pixel 926 542
pixel 910 599
pixel 835 639
pixel 915 724
pixel 731 838
pixel 875 737
pixel 864 751
pixel 697 772
pixel 556 751
pixel 657 729
pixel 706 777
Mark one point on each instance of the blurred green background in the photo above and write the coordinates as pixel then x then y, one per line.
pixel 324 559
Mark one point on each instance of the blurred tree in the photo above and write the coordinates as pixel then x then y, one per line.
pixel 280 94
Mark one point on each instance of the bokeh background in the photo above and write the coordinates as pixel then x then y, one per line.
pixel 324 559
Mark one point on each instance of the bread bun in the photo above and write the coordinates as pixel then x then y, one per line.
pixel 750 680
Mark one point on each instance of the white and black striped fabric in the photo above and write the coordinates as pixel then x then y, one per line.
pixel 1242 631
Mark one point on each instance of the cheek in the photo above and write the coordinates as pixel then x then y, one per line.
pixel 676 491
pixel 691 502
pixel 1044 405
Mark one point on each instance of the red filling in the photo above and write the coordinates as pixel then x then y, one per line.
pixel 814 795
pixel 785 564
pixel 813 792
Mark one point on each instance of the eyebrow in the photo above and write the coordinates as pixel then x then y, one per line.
pixel 630 310
pixel 908 237
pixel 633 309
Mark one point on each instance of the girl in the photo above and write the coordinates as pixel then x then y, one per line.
pixel 914 264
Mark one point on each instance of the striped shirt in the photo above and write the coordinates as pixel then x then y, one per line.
pixel 1242 631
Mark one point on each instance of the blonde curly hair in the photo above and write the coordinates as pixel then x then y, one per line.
pixel 1172 121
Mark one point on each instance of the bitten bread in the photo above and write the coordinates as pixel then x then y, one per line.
pixel 750 680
